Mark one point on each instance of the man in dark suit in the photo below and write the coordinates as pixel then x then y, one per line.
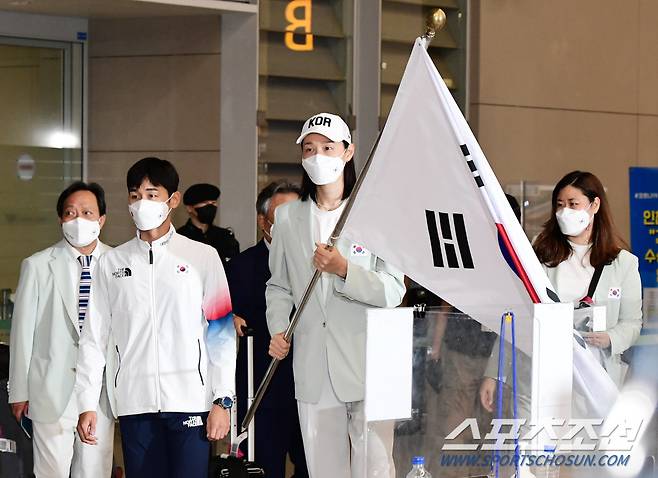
pixel 277 423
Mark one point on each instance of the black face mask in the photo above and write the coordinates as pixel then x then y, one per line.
pixel 206 214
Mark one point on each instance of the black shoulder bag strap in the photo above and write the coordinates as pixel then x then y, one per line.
pixel 595 281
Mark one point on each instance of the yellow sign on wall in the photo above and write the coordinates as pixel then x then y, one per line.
pixel 295 23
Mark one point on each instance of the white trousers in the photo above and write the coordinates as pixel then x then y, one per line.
pixel 59 453
pixel 339 444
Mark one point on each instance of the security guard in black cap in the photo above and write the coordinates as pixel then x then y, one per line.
pixel 201 203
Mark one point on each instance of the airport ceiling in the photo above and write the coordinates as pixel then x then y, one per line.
pixel 115 8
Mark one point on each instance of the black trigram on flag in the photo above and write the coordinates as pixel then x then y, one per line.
pixel 449 236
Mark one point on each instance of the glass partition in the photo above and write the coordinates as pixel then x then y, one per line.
pixel 451 355
pixel 463 429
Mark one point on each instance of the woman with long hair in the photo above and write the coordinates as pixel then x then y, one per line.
pixel 579 238
pixel 329 342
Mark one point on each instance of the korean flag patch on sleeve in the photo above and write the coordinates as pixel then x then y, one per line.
pixel 359 251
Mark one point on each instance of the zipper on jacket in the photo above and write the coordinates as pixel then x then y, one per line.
pixel 155 332
pixel 116 377
pixel 199 364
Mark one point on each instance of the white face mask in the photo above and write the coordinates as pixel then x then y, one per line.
pixel 149 214
pixel 323 169
pixel 573 222
pixel 81 232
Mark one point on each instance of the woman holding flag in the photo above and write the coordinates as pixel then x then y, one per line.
pixel 329 359
pixel 589 264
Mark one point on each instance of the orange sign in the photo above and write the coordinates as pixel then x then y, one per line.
pixel 294 23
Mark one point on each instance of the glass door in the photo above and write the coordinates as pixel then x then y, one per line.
pixel 40 143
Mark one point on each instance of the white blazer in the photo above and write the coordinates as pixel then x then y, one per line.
pixel 45 333
pixel 331 334
pixel 620 291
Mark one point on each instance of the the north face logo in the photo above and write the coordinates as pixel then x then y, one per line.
pixel 193 421
pixel 122 272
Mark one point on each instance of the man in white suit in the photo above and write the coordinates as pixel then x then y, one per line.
pixel 51 300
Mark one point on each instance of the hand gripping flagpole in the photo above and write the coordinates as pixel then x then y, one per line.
pixel 435 22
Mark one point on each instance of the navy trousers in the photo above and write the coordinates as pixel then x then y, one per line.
pixel 162 445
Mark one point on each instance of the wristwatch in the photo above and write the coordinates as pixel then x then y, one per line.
pixel 224 402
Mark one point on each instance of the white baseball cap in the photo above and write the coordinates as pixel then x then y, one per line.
pixel 326 124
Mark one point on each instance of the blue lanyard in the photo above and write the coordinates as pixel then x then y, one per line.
pixel 506 317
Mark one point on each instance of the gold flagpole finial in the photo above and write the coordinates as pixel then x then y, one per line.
pixel 435 22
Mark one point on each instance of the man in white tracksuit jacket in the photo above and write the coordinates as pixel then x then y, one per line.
pixel 161 302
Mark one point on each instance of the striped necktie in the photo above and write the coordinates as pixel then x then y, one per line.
pixel 85 288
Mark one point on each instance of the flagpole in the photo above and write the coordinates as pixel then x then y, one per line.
pixel 435 22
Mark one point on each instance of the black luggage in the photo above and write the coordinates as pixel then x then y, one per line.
pixel 16 459
pixel 229 466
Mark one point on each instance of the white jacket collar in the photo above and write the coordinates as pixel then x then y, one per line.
pixel 162 242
